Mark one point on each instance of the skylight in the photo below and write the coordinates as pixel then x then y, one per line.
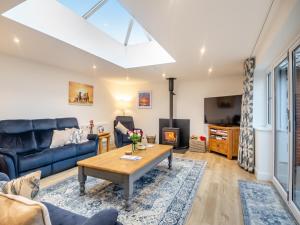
pixel 110 17
pixel 100 27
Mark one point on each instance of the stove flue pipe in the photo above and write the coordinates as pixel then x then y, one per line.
pixel 171 91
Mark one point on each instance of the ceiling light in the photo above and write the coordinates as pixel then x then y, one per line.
pixel 210 70
pixel 94 67
pixel 202 50
pixel 16 40
pixel 163 75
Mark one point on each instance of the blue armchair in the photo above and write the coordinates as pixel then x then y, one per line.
pixel 59 216
pixel 122 139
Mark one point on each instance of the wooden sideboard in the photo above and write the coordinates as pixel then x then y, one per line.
pixel 224 140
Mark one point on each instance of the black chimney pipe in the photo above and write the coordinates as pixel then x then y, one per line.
pixel 171 90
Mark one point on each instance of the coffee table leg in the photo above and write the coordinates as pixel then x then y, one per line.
pixel 170 159
pixel 128 191
pixel 81 179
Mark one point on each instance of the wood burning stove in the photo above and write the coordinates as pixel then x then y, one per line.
pixel 170 136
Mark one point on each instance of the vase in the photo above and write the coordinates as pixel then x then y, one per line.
pixel 133 146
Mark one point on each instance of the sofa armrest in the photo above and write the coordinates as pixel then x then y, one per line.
pixel 4 177
pixel 8 162
pixel 93 137
pixel 118 138
pixel 105 217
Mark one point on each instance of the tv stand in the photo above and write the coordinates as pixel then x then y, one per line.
pixel 224 140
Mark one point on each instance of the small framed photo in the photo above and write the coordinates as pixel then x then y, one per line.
pixel 144 99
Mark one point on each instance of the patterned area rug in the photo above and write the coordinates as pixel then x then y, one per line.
pixel 161 197
pixel 262 205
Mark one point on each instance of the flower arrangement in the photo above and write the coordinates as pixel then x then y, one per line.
pixel 135 136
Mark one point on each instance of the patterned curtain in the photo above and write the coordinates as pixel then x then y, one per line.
pixel 246 156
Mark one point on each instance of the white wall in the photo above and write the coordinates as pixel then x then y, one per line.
pixel 260 98
pixel 30 90
pixel 188 101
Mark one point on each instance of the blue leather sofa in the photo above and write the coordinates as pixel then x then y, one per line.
pixel 24 147
pixel 122 139
pixel 59 216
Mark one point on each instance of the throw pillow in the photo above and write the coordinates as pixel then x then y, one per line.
pixel 60 138
pixel 120 127
pixel 27 186
pixel 84 132
pixel 79 136
pixel 71 136
pixel 17 210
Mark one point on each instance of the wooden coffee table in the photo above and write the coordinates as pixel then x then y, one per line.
pixel 110 167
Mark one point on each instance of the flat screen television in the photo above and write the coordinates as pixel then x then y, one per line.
pixel 225 110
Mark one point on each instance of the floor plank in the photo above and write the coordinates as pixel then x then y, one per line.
pixel 217 200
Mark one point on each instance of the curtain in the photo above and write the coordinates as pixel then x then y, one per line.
pixel 246 156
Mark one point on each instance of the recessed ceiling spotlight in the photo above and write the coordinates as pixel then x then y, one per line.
pixel 94 67
pixel 163 75
pixel 16 40
pixel 210 70
pixel 202 50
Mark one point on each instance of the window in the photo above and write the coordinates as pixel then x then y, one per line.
pixel 110 17
pixel 269 98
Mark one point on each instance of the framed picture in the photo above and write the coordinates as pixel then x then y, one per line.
pixel 81 94
pixel 144 100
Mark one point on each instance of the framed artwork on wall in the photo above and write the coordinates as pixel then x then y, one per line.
pixel 81 94
pixel 144 99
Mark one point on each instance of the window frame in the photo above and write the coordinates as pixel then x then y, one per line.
pixel 269 98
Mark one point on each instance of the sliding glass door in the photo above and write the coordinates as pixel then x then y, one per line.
pixel 281 156
pixel 287 129
pixel 296 127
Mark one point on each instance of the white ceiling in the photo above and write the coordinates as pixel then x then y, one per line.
pixel 228 29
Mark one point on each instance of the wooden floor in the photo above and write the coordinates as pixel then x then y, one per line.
pixel 217 201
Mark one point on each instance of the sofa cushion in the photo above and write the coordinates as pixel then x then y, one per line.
pixel 63 165
pixel 43 131
pixel 82 157
pixel 87 147
pixel 44 124
pixel 45 170
pixel 43 138
pixel 59 216
pixel 34 160
pixel 15 126
pixel 22 142
pixel 63 123
pixel 64 152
